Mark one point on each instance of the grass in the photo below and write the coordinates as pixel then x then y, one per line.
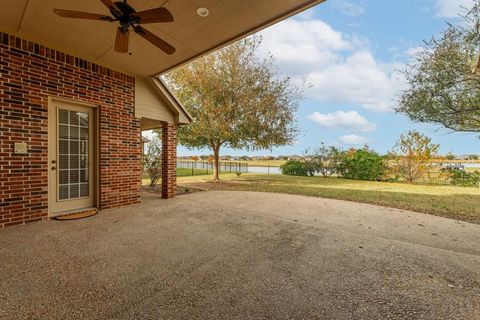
pixel 183 172
pixel 446 201
pixel 184 177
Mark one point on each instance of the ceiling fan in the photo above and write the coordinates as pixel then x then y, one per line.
pixel 127 17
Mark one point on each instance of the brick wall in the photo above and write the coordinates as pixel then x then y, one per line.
pixel 29 74
pixel 169 160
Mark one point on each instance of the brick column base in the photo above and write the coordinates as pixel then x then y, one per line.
pixel 169 160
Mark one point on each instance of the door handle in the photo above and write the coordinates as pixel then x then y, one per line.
pixel 54 168
pixel 54 161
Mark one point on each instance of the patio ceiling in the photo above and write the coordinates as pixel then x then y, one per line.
pixel 191 34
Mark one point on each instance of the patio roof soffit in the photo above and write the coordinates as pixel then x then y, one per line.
pixel 191 34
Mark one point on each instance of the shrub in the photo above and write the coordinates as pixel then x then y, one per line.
pixel 450 156
pixel 327 159
pixel 299 168
pixel 464 179
pixel 362 165
pixel 411 156
pixel 152 161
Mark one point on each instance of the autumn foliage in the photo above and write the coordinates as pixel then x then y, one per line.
pixel 236 100
pixel 412 156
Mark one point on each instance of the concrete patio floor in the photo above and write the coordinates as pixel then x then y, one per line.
pixel 241 255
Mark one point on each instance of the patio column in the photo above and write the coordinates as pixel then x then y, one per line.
pixel 169 160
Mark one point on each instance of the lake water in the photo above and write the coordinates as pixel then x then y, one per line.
pixel 466 165
pixel 268 170
pixel 471 165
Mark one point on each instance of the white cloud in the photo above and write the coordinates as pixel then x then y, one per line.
pixel 349 8
pixel 352 140
pixel 359 79
pixel 414 51
pixel 300 46
pixel 339 67
pixel 451 8
pixel 350 120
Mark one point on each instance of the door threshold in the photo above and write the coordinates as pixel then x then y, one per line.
pixel 75 214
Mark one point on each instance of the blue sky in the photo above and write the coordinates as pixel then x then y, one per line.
pixel 349 52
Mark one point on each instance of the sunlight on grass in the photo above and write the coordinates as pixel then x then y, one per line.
pixel 336 183
pixel 453 202
pixel 195 178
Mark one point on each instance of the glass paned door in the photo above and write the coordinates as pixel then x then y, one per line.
pixel 72 157
pixel 73 139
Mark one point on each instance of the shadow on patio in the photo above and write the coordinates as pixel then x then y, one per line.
pixel 242 255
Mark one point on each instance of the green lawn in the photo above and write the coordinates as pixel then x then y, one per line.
pixel 452 202
pixel 183 172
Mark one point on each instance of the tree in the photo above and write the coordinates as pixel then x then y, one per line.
pixel 441 85
pixel 298 168
pixel 236 101
pixel 450 156
pixel 328 158
pixel 152 160
pixel 412 154
pixel 361 164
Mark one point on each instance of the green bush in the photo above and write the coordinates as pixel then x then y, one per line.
pixel 299 168
pixel 312 167
pixel 464 179
pixel 362 165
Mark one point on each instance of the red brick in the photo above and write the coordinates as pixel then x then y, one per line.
pixel 26 82
pixel 169 158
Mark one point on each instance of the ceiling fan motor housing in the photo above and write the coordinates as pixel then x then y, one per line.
pixel 126 19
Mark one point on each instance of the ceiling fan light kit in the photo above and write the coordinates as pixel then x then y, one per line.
pixel 128 19
pixel 203 12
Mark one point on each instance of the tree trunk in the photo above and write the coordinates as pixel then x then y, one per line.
pixel 216 159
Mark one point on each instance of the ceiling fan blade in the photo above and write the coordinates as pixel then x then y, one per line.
pixel 121 41
pixel 81 15
pixel 112 7
pixel 161 44
pixel 153 16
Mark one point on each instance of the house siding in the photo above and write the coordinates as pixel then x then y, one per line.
pixel 148 103
pixel 29 75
